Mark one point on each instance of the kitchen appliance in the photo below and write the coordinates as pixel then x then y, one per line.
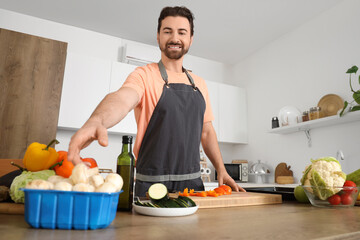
pixel 238 170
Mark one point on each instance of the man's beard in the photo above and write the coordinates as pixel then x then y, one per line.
pixel 174 54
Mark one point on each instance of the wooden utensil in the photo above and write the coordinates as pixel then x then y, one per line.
pixel 330 104
pixel 285 179
pixel 282 170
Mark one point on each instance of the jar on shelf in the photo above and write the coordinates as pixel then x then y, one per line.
pixel 314 113
pixel 305 116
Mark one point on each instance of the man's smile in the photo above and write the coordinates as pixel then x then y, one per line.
pixel 174 46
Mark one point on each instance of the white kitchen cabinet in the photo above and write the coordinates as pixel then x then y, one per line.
pixel 230 112
pixel 86 82
pixel 119 73
pixel 213 89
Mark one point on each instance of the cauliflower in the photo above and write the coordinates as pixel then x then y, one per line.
pixel 323 177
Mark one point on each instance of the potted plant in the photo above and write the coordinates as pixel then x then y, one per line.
pixel 356 94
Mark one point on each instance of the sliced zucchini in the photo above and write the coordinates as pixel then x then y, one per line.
pixel 181 202
pixel 139 203
pixel 149 204
pixel 171 203
pixel 158 192
pixel 188 201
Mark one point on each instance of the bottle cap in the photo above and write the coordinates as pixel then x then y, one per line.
pixel 127 139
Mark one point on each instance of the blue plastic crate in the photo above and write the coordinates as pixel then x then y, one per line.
pixel 69 209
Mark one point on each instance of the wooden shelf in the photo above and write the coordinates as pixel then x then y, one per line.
pixel 318 123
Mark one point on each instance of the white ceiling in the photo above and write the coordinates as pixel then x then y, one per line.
pixel 225 31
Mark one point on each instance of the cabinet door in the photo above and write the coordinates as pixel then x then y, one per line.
pixel 232 114
pixel 213 89
pixel 86 82
pixel 119 73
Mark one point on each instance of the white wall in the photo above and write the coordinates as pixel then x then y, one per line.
pixel 298 69
pixel 98 45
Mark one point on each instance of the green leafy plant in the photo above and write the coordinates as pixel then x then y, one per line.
pixel 356 94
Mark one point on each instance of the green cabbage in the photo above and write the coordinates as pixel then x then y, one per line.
pixel 20 181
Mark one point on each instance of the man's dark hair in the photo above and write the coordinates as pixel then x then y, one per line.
pixel 175 12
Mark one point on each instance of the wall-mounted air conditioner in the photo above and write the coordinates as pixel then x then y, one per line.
pixel 139 54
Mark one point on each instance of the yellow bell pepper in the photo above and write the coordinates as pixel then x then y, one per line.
pixel 39 156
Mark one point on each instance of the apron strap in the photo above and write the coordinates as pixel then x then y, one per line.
pixel 165 76
pixel 163 72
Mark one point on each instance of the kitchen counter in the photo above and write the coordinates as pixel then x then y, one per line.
pixel 290 220
pixel 211 185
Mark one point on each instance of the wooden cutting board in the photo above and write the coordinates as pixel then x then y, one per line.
pixel 12 208
pixel 237 199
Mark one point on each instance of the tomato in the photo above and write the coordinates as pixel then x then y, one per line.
pixel 227 189
pixel 351 186
pixel 91 161
pixel 346 199
pixel 334 199
pixel 220 191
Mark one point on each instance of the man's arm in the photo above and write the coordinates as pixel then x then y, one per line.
pixel 111 110
pixel 212 150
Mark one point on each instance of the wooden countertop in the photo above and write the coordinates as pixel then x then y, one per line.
pixel 289 220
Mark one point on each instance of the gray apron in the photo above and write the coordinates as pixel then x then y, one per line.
pixel 169 152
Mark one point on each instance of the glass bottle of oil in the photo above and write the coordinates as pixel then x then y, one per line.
pixel 125 167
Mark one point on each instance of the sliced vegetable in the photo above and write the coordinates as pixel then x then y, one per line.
pixel 158 192
pixel 227 189
pixel 186 192
pixel 212 193
pixel 159 198
pixel 189 201
pixel 139 203
pixel 181 202
pixel 220 191
pixel 192 192
pixel 171 203
pixel 201 194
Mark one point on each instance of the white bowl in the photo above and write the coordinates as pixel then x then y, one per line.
pixel 289 115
